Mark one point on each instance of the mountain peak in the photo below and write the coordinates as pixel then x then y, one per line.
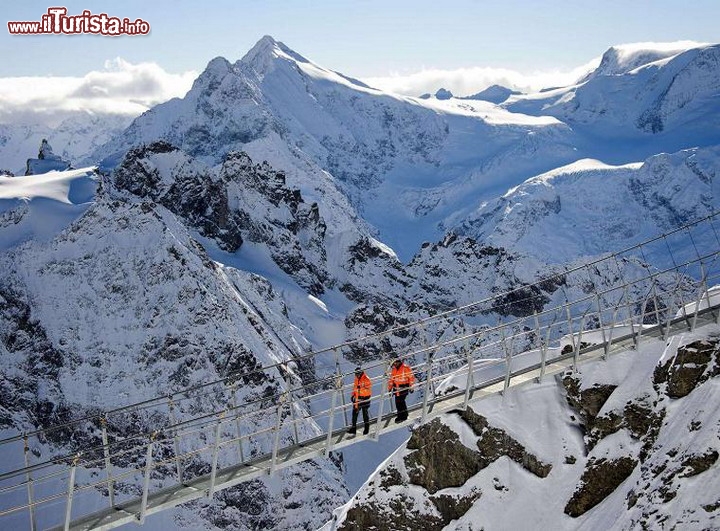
pixel 494 94
pixel 261 57
pixel 623 58
pixel 215 70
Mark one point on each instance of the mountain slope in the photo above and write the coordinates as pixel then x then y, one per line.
pixel 638 100
pixel 124 305
pixel 403 163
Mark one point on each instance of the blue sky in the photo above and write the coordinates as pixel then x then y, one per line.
pixel 398 45
pixel 360 37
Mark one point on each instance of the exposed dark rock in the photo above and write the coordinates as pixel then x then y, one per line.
pixel 600 479
pixel 454 507
pixel 697 464
pixel 390 477
pixel 689 368
pixel 198 198
pixel 440 460
pixel 588 403
pixel 397 515
pixel 495 443
pixel 521 302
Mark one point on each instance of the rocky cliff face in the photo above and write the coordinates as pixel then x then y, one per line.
pixel 126 305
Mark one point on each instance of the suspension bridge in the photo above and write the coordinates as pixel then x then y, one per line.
pixel 212 436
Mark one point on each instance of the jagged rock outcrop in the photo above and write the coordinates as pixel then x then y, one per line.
pixel 440 462
pixel 46 161
pixel 125 305
pixel 241 200
pixel 600 479
pixel 693 364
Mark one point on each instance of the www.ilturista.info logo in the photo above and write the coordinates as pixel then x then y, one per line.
pixel 57 22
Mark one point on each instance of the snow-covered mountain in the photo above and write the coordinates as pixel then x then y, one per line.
pixel 281 207
pixel 403 163
pixel 123 304
pixel 638 100
pixel 414 168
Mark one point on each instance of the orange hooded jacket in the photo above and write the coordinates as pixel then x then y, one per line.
pixel 362 388
pixel 401 377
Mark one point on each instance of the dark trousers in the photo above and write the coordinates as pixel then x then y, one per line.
pixel 365 406
pixel 400 405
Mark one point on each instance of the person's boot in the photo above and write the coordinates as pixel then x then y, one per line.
pixel 351 431
pixel 366 430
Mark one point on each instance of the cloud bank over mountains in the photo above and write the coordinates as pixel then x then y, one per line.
pixel 471 80
pixel 130 89
pixel 120 87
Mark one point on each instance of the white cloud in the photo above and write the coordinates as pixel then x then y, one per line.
pixel 120 88
pixel 471 80
pixel 468 81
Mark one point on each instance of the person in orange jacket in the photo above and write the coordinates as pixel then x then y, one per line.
pixel 400 383
pixel 362 390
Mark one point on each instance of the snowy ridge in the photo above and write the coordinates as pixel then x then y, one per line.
pixel 672 94
pixel 608 207
pixel 623 58
pixel 37 207
pixel 73 138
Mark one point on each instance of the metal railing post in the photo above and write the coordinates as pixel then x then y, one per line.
pixel 383 396
pixel 31 505
pixel 656 304
pixel 337 387
pixel 291 405
pixel 508 359
pixel 576 352
pixel 630 316
pixel 216 449
pixel 703 290
pixel 146 481
pixel 570 326
pixel 238 425
pixel 176 442
pixel 542 345
pixel 108 463
pixel 276 438
pixel 70 492
pixel 428 378
pixel 606 346
pixel 642 321
pixel 470 383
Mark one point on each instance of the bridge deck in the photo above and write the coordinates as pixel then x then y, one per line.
pixel 227 477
